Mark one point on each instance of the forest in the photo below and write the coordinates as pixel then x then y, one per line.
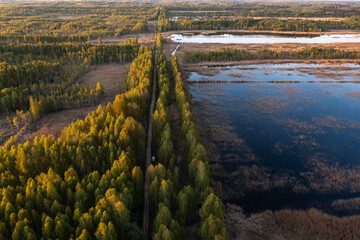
pixel 87 183
pixel 42 78
pixel 64 22
pixel 211 212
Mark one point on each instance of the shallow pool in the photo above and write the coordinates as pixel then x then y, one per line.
pixel 290 132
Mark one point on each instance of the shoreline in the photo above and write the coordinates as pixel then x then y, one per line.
pixel 295 33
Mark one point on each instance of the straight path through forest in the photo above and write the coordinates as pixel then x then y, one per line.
pixel 148 152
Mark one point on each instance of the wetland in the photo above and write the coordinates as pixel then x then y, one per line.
pixel 282 135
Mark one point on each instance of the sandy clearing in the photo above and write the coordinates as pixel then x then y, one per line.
pixel 112 76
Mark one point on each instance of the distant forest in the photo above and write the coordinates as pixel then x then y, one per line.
pixel 265 9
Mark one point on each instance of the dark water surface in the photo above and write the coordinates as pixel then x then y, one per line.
pixel 285 135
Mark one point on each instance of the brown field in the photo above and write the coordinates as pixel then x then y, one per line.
pixel 112 76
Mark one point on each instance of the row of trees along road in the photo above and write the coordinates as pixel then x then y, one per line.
pixel 174 207
pixel 164 189
pixel 211 211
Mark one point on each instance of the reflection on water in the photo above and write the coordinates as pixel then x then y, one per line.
pixel 290 132
pixel 261 38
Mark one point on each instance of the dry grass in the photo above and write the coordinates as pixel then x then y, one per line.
pixel 111 76
pixel 311 224
pixel 256 178
pixel 209 72
pixel 352 204
pixel 331 72
pixel 326 175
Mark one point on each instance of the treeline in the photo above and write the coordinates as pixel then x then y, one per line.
pixel 87 184
pixel 45 38
pixel 264 9
pixel 71 53
pixel 163 21
pixel 52 85
pixel 226 54
pixel 69 8
pixel 200 193
pixel 164 186
pixel 352 22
